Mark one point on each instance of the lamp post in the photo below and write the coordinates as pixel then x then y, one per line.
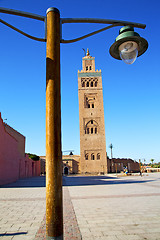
pixel 54 213
pixel 111 147
pixel 127 46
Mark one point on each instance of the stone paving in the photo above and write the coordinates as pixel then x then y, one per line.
pixel 22 208
pixel 71 229
pixel 22 211
pixel 105 207
pixel 113 208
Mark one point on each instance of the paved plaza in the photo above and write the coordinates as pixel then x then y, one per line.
pixel 95 207
pixel 22 208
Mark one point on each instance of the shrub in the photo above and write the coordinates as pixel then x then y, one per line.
pixel 34 157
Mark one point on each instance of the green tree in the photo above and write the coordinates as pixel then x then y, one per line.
pixel 34 157
pixel 152 160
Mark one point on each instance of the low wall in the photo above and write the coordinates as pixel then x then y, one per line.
pixel 153 170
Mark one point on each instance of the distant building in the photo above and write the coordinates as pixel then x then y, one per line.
pixel 93 157
pixel 91 118
pixel 119 164
pixel 70 164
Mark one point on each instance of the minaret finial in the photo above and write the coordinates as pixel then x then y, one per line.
pixel 88 54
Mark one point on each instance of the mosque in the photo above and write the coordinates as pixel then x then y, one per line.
pixel 93 157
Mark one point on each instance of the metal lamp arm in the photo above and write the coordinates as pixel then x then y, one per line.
pixel 90 34
pixel 22 14
pixel 62 40
pixel 103 21
pixel 113 23
pixel 23 33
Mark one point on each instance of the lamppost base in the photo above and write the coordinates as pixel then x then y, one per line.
pixel 54 238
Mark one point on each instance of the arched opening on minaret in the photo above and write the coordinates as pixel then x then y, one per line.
pixel 91 127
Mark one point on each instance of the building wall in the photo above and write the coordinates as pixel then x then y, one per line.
pixel 9 166
pixel 43 164
pixel 91 118
pixel 19 137
pixel 118 165
pixel 72 162
pixel 14 163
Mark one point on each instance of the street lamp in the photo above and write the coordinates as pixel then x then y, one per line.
pixel 128 45
pixel 54 213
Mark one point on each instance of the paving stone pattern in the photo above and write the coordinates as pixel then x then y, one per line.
pixel 22 211
pixel 71 229
pixel 95 207
pixel 111 208
pixel 22 204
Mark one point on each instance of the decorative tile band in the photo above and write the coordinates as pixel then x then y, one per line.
pixel 89 74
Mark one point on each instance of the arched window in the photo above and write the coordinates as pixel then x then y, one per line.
pixel 87 68
pixel 83 84
pixel 91 127
pixel 92 156
pixel 92 84
pixel 98 156
pixel 86 156
pixel 90 68
pixel 89 98
pixel 87 84
pixel 88 105
pixel 95 83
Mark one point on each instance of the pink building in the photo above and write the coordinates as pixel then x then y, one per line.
pixel 14 163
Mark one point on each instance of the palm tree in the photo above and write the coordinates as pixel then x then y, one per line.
pixel 111 146
pixel 152 160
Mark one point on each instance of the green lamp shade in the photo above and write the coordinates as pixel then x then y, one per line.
pixel 128 45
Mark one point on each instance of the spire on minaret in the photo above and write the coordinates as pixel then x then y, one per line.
pixel 88 54
pixel 88 62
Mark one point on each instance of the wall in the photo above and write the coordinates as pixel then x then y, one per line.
pixel 118 164
pixel 14 163
pixel 19 137
pixel 8 156
pixel 70 161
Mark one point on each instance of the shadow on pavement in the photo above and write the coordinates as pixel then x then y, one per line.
pixel 27 183
pixel 12 234
pixel 98 180
pixel 73 181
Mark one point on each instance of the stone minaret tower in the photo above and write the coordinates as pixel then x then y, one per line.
pixel 91 118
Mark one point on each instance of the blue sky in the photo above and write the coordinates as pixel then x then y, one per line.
pixel 131 92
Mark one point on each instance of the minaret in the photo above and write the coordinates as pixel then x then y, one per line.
pixel 91 118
